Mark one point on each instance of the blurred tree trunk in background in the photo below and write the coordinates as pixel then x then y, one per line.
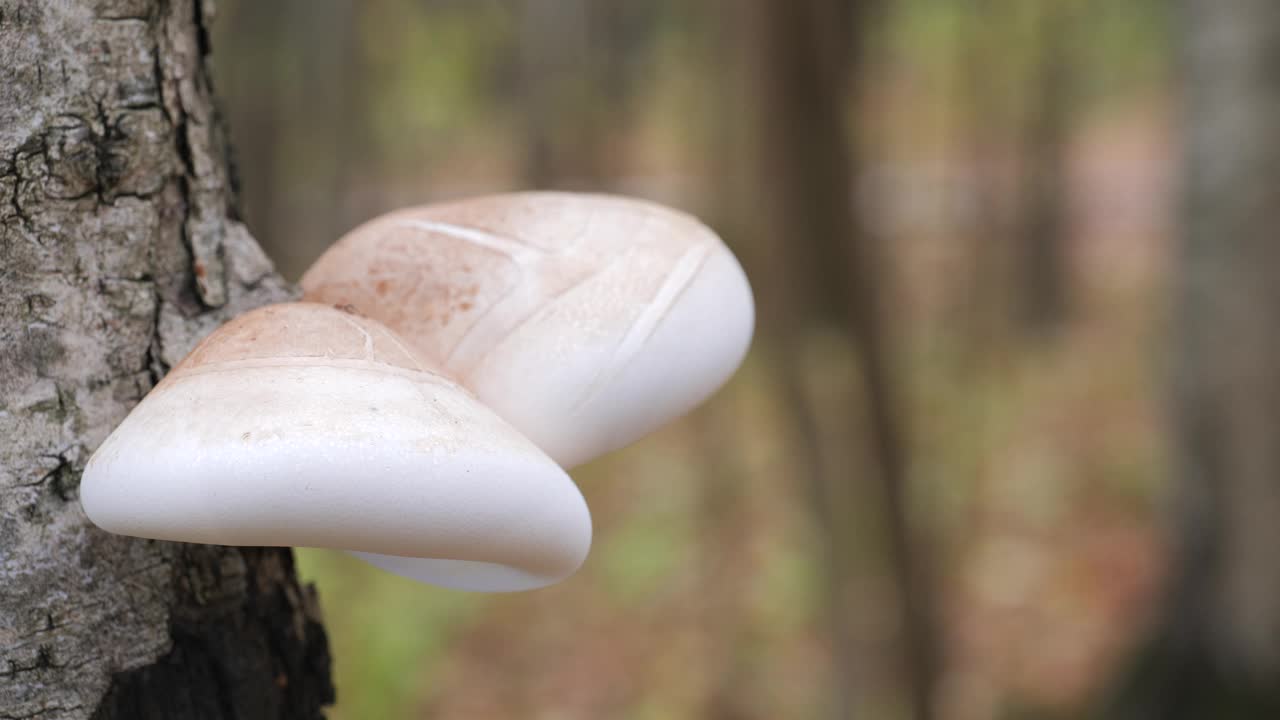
pixel 1041 268
pixel 1017 276
pixel 982 298
pixel 294 67
pixel 800 61
pixel 119 249
pixel 323 102
pixel 746 210
pixel 557 86
pixel 577 64
pixel 247 65
pixel 725 134
pixel 1217 654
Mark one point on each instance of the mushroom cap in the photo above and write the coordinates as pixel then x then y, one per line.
pixel 586 321
pixel 299 424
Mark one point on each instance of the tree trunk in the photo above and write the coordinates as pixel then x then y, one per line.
pixel 120 250
pixel 561 137
pixel 1042 268
pixel 1217 653
pixel 810 53
pixel 978 309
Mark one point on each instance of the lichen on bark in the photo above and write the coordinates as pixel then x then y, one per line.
pixel 120 248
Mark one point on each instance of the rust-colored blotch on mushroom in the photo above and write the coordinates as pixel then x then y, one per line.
pixel 586 321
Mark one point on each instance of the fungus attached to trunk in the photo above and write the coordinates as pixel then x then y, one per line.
pixel 299 424
pixel 583 321
pixel 586 321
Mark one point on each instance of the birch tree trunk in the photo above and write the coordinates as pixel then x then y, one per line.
pixel 120 249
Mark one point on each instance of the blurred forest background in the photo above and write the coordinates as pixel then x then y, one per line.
pixel 941 485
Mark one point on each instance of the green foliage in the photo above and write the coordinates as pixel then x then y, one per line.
pixel 640 558
pixel 1117 48
pixel 388 634
pixel 435 71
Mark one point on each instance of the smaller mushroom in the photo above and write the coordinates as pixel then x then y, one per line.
pixel 299 424
pixel 586 321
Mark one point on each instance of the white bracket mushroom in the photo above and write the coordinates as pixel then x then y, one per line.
pixel 584 321
pixel 299 424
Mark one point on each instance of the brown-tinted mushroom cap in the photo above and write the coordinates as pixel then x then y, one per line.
pixel 584 320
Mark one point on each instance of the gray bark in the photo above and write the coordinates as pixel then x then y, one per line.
pixel 120 250
pixel 1217 653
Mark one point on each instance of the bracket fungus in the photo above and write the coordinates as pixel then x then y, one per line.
pixel 586 321
pixel 300 424
pixel 579 322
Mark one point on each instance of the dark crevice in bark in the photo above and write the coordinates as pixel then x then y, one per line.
pixel 156 367
pixel 102 156
pixel 208 675
pixel 202 30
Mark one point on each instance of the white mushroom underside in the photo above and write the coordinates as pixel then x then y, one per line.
pixel 402 467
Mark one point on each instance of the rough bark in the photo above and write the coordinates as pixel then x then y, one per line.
pixel 1217 652
pixel 120 250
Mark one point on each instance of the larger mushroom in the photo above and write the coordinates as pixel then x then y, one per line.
pixel 586 321
pixel 299 424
